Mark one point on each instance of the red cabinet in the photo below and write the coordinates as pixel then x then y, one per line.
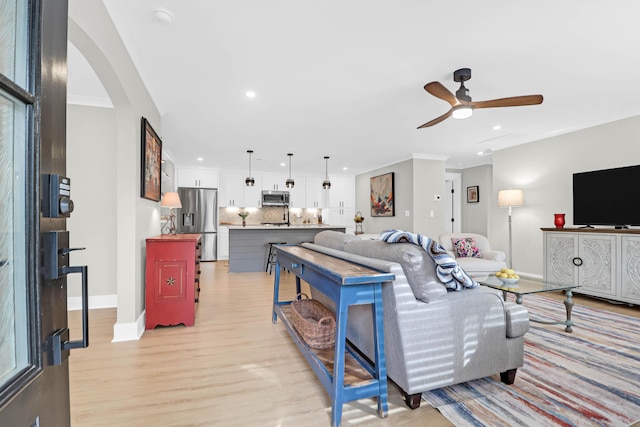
pixel 172 279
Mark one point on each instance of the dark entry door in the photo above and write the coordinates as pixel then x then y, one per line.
pixel 34 346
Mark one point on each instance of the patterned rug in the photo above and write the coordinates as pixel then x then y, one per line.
pixel 590 377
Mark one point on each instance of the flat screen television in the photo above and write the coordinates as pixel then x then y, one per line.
pixel 607 197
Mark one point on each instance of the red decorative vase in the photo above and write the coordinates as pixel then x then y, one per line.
pixel 558 220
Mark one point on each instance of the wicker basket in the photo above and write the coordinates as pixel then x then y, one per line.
pixel 314 322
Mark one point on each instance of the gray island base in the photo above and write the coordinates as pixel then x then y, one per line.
pixel 249 246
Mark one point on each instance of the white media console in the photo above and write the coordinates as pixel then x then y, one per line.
pixel 602 262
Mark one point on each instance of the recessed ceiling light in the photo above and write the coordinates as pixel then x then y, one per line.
pixel 163 16
pixel 497 127
pixel 283 164
pixel 250 94
pixel 345 168
pixel 200 159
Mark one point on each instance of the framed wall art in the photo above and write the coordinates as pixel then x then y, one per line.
pixel 473 194
pixel 382 197
pixel 151 163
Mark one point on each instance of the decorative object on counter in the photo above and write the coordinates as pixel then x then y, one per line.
pixel 358 219
pixel 170 200
pixel 151 163
pixel 290 183
pixel 473 194
pixel 558 220
pixel 243 214
pixel 382 199
pixel 249 181
pixel 326 184
pixel 510 198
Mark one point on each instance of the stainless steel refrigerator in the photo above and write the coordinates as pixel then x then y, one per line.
pixel 199 215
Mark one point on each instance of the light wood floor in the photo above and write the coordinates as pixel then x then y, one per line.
pixel 232 368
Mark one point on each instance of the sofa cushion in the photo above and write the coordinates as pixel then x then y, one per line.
pixel 466 247
pixel 417 265
pixel 334 239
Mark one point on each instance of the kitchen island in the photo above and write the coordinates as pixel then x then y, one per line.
pixel 249 246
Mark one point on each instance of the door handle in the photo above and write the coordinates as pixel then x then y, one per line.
pixel 58 344
pixel 84 343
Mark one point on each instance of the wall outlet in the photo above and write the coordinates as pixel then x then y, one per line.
pixel 407 213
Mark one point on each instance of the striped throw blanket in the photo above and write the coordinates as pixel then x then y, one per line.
pixel 448 271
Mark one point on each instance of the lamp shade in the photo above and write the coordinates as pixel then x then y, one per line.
pixel 171 200
pixel 510 198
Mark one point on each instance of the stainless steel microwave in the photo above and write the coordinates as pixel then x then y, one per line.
pixel 275 198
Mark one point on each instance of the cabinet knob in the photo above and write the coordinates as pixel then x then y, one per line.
pixel 577 261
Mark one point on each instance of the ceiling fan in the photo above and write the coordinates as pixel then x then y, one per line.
pixel 461 104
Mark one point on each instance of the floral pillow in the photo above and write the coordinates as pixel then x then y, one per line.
pixel 466 247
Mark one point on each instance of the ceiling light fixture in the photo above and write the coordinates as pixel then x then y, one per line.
pixel 462 112
pixel 326 184
pixel 249 181
pixel 497 127
pixel 163 16
pixel 290 183
pixel 250 94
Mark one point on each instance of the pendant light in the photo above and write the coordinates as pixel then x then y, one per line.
pixel 326 184
pixel 249 181
pixel 290 183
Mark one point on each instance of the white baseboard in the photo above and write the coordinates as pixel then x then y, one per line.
pixel 131 331
pixel 98 301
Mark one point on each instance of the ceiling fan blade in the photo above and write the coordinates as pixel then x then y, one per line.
pixel 514 101
pixel 436 89
pixel 437 120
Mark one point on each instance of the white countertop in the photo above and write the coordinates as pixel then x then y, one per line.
pixel 282 227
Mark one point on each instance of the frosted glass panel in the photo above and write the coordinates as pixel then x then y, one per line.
pixel 14 338
pixel 13 46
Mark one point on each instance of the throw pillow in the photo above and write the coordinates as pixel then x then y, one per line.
pixel 466 247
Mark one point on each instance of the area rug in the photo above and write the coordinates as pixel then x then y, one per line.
pixel 590 377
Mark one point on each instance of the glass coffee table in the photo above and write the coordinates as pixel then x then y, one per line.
pixel 527 287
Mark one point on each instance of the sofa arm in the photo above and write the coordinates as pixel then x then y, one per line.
pixel 517 317
pixel 494 255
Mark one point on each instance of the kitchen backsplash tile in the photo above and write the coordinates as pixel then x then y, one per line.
pixel 275 214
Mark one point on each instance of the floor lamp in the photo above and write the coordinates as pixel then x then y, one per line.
pixel 511 198
pixel 171 200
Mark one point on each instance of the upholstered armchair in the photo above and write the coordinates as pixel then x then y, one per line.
pixel 473 253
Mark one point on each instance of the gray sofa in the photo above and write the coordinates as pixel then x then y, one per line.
pixel 433 338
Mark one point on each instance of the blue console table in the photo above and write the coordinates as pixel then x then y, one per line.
pixel 346 284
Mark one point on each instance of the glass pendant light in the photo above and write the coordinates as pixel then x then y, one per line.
pixel 290 183
pixel 249 181
pixel 326 184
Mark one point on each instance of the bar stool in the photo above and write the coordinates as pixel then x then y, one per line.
pixel 271 256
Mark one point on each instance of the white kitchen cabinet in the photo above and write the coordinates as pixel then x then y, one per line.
pixel 230 192
pixel 315 195
pixel 223 243
pixel 234 192
pixel 206 178
pixel 297 194
pixel 601 262
pixel 341 217
pixel 275 182
pixel 342 193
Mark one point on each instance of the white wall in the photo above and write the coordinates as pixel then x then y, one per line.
pixel 544 170
pixel 416 181
pixel 91 165
pixel 93 33
pixel 475 216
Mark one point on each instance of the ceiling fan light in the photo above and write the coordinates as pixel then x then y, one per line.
pixel 462 112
